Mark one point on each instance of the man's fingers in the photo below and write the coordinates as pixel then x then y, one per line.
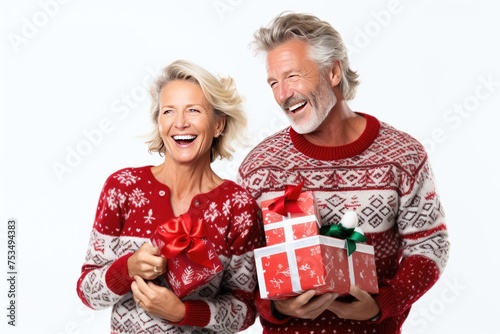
pixel 357 293
pixel 307 305
pixel 305 297
pixel 323 301
pixel 294 303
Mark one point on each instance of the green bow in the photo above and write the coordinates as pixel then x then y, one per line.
pixel 349 234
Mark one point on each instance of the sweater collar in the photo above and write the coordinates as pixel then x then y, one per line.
pixel 338 152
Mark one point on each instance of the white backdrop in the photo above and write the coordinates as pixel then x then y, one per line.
pixel 74 76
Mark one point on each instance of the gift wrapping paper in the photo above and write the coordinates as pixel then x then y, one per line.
pixel 295 225
pixel 320 263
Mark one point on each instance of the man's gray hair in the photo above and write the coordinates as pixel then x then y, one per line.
pixel 326 45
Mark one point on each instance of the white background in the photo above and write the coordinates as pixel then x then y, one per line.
pixel 74 70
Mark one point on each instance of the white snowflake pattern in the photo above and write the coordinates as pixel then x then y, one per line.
pixel 126 177
pixel 137 198
pixel 312 273
pixel 226 208
pixel 240 199
pixel 243 223
pixel 212 212
pixel 149 218
pixel 115 198
pixel 222 230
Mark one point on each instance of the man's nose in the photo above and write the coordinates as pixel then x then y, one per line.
pixel 283 92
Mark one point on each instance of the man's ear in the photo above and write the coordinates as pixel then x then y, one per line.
pixel 335 74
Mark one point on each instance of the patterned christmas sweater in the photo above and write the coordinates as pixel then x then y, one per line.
pixel 385 177
pixel 131 205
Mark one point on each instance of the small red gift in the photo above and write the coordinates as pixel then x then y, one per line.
pixel 291 216
pixel 192 260
pixel 321 263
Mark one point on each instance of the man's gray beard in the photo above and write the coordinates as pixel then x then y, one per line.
pixel 318 118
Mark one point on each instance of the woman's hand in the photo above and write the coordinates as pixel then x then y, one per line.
pixel 146 262
pixel 158 300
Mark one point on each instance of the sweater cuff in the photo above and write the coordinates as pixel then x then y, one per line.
pixel 117 277
pixel 197 314
pixel 385 300
pixel 267 311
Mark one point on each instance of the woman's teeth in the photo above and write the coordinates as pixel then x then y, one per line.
pixel 184 138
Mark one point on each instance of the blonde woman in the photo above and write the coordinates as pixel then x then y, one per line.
pixel 197 117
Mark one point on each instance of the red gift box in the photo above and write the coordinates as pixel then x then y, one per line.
pixel 191 258
pixel 290 217
pixel 315 263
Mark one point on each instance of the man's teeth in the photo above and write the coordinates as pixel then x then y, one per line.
pixel 296 106
pixel 184 137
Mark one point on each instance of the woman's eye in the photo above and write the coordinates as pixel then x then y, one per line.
pixel 167 111
pixel 193 110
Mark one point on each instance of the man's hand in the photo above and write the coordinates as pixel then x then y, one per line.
pixel 363 308
pixel 305 306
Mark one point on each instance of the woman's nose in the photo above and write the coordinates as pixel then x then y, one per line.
pixel 180 120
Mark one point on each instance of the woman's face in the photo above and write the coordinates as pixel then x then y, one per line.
pixel 186 122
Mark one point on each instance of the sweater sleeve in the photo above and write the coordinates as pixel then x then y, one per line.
pixel 233 308
pixel 265 309
pixel 424 236
pixel 104 277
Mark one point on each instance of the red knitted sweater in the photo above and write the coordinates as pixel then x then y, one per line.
pixel 385 177
pixel 131 205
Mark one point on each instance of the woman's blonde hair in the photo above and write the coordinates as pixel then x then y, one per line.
pixel 222 95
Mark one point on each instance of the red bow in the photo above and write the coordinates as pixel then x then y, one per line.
pixel 182 234
pixel 288 202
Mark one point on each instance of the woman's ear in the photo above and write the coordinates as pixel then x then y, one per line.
pixel 219 127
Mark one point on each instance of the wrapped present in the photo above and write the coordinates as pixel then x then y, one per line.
pixel 192 261
pixel 291 216
pixel 321 263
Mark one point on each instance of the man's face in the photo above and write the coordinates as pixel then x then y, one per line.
pixel 305 95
